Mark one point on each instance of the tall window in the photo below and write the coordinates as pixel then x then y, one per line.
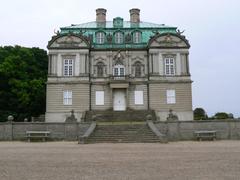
pixel 100 69
pixel 68 67
pixel 171 96
pixel 138 69
pixel 137 37
pixel 118 37
pixel 100 36
pixel 67 97
pixel 169 66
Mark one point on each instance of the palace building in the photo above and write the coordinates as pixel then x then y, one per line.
pixel 118 66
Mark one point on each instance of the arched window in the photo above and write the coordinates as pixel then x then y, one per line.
pixel 100 69
pixel 137 37
pixel 100 37
pixel 118 37
pixel 138 69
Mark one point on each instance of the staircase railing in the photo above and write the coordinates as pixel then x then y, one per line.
pixel 162 137
pixel 83 138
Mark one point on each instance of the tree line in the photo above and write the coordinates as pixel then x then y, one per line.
pixel 23 75
pixel 200 114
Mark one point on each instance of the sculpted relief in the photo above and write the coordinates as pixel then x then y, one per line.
pixel 169 41
pixel 68 41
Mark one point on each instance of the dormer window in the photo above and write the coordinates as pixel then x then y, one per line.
pixel 100 37
pixel 118 37
pixel 137 37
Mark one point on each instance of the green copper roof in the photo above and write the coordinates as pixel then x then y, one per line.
pixel 110 27
pixel 109 24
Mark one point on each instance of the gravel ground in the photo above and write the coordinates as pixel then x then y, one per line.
pixel 70 161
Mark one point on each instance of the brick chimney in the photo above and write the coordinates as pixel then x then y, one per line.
pixel 134 15
pixel 101 15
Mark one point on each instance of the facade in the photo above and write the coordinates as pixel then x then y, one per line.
pixel 118 65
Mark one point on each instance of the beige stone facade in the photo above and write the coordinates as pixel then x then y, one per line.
pixel 83 77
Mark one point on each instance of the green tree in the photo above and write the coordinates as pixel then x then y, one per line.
pixel 221 115
pixel 23 73
pixel 199 114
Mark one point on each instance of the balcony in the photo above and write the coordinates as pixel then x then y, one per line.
pixel 119 81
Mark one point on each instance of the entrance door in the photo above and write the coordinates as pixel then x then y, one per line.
pixel 119 100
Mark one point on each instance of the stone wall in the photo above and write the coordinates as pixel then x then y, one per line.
pixel 59 131
pixel 175 131
pixel 184 130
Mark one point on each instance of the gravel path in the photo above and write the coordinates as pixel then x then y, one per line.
pixel 70 161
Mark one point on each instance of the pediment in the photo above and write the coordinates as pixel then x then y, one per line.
pixel 168 41
pixel 68 42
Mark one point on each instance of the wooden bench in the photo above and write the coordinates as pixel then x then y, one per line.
pixel 43 135
pixel 205 135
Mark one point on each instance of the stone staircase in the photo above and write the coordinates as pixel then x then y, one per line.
pixel 122 133
pixel 116 116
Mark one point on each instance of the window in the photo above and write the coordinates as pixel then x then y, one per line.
pixel 99 97
pixel 119 70
pixel 118 37
pixel 100 67
pixel 67 97
pixel 68 67
pixel 137 37
pixel 138 97
pixel 169 66
pixel 100 37
pixel 171 97
pixel 138 69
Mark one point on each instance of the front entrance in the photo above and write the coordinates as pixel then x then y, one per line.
pixel 119 99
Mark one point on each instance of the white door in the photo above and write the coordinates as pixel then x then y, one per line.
pixel 119 100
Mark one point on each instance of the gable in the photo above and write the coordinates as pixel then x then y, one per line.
pixel 68 42
pixel 168 41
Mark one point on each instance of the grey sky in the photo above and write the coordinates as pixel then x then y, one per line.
pixel 211 26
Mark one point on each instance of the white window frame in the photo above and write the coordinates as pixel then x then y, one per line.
pixel 137 37
pixel 99 97
pixel 118 37
pixel 67 97
pixel 68 67
pixel 170 66
pixel 119 70
pixel 100 37
pixel 138 97
pixel 171 96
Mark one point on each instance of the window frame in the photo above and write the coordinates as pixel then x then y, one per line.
pixel 171 96
pixel 170 66
pixel 68 67
pixel 100 37
pixel 119 70
pixel 119 37
pixel 137 37
pixel 67 97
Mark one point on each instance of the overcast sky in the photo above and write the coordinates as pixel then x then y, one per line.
pixel 211 26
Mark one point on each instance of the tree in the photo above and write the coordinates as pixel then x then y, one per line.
pixel 221 115
pixel 23 73
pixel 199 114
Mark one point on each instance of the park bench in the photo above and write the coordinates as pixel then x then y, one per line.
pixel 43 135
pixel 205 135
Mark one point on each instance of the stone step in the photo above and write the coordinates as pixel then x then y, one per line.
pixel 128 133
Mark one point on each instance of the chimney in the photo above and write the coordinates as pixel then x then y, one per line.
pixel 101 15
pixel 134 15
